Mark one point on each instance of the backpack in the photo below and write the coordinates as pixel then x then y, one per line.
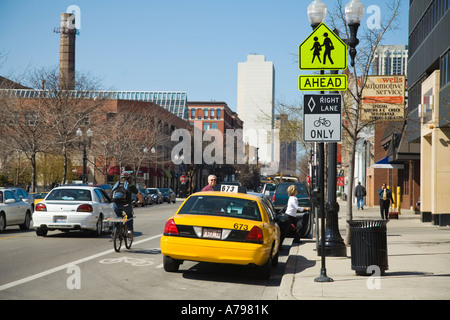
pixel 120 193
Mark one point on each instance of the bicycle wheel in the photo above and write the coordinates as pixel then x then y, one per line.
pixel 117 238
pixel 128 239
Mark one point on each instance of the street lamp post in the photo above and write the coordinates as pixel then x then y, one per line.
pixel 334 244
pixel 354 12
pixel 317 12
pixel 85 142
pixel 153 150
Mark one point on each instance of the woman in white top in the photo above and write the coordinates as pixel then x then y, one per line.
pixel 291 214
pixel 292 205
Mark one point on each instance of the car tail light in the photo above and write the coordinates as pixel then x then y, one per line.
pixel 255 235
pixel 85 208
pixel 273 198
pixel 171 228
pixel 40 207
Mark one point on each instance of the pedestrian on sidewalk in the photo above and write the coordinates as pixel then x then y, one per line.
pixel 385 201
pixel 360 193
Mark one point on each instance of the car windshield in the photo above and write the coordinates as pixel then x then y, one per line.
pixel 152 191
pixel 221 206
pixel 70 195
pixel 165 190
pixel 271 187
pixel 301 188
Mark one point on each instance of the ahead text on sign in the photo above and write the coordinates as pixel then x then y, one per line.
pixel 329 82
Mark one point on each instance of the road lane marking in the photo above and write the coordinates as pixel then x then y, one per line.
pixel 65 266
pixel 9 237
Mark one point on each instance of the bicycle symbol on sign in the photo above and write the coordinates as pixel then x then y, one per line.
pixel 322 121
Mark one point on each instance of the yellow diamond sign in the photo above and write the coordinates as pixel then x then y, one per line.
pixel 322 50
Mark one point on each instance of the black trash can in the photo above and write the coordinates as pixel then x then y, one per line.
pixel 368 245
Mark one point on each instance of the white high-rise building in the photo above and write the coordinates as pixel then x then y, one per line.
pixel 255 105
pixel 390 60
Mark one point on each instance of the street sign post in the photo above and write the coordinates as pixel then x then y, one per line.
pixel 323 82
pixel 322 50
pixel 322 118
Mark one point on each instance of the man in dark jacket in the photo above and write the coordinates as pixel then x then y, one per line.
pixel 360 193
pixel 385 201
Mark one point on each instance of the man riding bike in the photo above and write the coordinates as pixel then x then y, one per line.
pixel 121 197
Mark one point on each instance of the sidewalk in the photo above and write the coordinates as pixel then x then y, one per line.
pixel 418 259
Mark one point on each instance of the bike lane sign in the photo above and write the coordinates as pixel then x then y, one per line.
pixel 322 121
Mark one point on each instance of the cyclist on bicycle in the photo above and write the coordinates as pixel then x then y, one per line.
pixel 121 197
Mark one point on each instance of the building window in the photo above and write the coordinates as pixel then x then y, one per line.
pixel 193 113
pixel 205 113
pixel 218 113
pixel 205 126
pixel 213 125
pixel 445 69
pixel 212 113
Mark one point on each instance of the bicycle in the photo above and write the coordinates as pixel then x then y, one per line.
pixel 322 121
pixel 120 232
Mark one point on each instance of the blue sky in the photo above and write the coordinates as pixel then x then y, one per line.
pixel 169 45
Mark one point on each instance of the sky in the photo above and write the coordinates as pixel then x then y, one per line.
pixel 193 46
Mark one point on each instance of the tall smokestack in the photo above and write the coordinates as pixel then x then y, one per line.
pixel 67 52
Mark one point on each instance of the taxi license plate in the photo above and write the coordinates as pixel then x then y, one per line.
pixel 212 233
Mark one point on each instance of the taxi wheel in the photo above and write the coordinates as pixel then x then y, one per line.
pixel 275 260
pixel 264 270
pixel 170 265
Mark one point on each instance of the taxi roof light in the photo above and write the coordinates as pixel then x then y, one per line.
pixel 255 235
pixel 171 227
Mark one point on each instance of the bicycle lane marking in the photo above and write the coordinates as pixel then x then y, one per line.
pixel 65 266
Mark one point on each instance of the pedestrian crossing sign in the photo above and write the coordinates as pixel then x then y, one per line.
pixel 322 50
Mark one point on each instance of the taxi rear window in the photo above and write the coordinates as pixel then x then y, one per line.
pixel 222 206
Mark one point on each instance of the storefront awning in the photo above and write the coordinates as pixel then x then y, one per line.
pixel 384 164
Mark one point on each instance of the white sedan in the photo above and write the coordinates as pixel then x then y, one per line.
pixel 13 210
pixel 73 208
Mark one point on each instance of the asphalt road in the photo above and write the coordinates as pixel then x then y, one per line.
pixel 76 265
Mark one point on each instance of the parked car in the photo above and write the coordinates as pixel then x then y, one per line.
pixel 24 195
pixel 156 195
pixel 168 195
pixel 105 187
pixel 73 208
pixel 268 189
pixel 280 196
pixel 134 200
pixel 146 196
pixel 13 210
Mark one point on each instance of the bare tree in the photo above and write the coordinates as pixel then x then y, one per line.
pixel 65 111
pixel 370 39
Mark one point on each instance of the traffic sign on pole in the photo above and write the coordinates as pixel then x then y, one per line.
pixel 322 118
pixel 322 50
pixel 183 179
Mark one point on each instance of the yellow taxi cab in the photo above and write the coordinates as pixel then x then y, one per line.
pixel 222 227
pixel 38 197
